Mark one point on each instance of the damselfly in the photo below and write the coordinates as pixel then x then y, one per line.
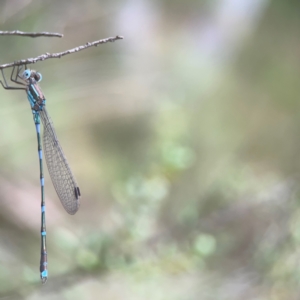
pixel 59 170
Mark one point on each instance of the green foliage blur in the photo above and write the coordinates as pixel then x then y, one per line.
pixel 185 141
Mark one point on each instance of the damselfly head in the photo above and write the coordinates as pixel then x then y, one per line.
pixel 33 74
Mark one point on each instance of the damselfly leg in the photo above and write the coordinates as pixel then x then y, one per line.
pixel 6 86
pixel 15 79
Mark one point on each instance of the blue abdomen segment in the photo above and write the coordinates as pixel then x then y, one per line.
pixel 44 275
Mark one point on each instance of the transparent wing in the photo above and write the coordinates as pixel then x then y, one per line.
pixel 59 169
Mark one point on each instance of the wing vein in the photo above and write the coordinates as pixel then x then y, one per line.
pixel 58 167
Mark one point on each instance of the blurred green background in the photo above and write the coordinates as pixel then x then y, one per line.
pixel 185 141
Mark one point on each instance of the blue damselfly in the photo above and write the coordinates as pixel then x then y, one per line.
pixel 59 170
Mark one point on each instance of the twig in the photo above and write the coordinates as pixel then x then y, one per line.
pixel 31 34
pixel 59 54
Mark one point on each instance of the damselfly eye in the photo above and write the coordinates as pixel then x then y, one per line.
pixel 38 77
pixel 26 74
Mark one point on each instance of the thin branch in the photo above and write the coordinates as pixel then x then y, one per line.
pixel 31 34
pixel 59 54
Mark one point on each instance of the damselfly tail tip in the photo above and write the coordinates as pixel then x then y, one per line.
pixel 44 279
pixel 44 276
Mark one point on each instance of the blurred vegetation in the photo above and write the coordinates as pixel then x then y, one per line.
pixel 184 138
